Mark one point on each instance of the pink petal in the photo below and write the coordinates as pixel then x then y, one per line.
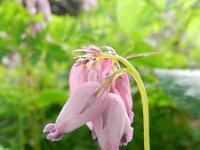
pixel 127 136
pixel 86 113
pixel 66 121
pixel 43 6
pixel 75 105
pixel 122 88
pixel 93 50
pixel 90 126
pixel 92 75
pixel 117 125
pixel 49 127
pixel 79 74
pixel 83 105
pixel 55 136
pixel 104 67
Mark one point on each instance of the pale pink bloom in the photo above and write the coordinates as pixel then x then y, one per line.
pixel 106 111
pixel 122 88
pixel 104 66
pixel 113 127
pixel 75 113
pixel 34 6
pixel 79 73
pixel 84 71
pixel 30 5
pixel 43 6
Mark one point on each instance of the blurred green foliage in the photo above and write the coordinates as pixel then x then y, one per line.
pixel 34 69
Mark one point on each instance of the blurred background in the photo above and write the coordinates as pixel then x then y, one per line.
pixel 36 42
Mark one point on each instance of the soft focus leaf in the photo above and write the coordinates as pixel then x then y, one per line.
pixel 49 97
pixel 135 15
pixel 183 87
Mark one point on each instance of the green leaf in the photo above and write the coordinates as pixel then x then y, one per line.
pixel 49 96
pixel 134 15
pixel 35 56
pixel 183 87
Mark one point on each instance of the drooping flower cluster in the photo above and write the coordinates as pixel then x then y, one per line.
pixel 99 98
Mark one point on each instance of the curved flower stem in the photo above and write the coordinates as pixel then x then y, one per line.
pixel 143 94
pixel 110 79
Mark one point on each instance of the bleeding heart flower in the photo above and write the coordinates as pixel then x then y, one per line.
pixel 99 98
pixel 75 113
pixel 113 127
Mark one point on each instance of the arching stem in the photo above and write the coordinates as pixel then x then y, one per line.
pixel 143 94
pixel 110 78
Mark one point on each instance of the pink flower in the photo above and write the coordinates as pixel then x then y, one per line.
pixel 34 6
pixel 80 73
pixel 99 99
pixel 75 114
pixel 113 127
pixel 43 6
pixel 122 88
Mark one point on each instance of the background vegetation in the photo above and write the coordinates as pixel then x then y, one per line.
pixel 35 60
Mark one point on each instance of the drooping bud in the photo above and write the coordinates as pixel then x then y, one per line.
pixel 106 109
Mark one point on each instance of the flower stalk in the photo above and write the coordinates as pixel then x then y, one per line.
pixel 100 97
pixel 110 78
pixel 143 94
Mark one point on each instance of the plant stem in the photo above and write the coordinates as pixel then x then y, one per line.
pixel 110 79
pixel 143 94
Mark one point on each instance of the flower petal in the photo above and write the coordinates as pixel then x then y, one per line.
pixel 55 136
pixel 127 136
pixel 79 74
pixel 90 112
pixel 117 125
pixel 76 104
pixel 90 126
pixel 122 88
pixel 104 66
pixel 66 121
pixel 49 127
pixel 83 105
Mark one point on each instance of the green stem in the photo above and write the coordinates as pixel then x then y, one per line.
pixel 143 94
pixel 110 79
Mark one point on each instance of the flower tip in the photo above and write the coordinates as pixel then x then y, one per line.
pixel 131 116
pixel 49 127
pixel 130 134
pixel 55 136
